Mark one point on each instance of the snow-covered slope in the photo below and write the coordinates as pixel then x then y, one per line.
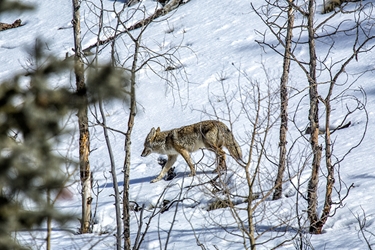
pixel 217 41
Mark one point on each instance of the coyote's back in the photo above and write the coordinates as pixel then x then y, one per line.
pixel 211 134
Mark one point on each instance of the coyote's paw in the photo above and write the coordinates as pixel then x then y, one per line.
pixel 155 180
pixel 191 174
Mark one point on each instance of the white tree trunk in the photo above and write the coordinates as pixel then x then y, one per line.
pixel 84 136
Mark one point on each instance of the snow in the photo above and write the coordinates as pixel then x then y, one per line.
pixel 218 41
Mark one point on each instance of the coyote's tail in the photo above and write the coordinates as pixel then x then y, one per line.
pixel 232 145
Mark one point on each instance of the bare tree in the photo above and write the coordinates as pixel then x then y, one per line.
pixel 132 113
pixel 312 195
pixel 114 178
pixel 317 222
pixel 135 65
pixel 284 103
pixel 84 135
pixel 103 123
pixel 311 31
pixel 247 186
pixel 126 42
pixel 363 230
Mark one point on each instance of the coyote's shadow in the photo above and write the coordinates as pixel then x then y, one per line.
pixel 179 175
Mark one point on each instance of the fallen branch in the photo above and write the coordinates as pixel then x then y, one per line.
pixel 173 4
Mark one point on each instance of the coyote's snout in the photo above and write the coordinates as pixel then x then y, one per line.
pixel 212 135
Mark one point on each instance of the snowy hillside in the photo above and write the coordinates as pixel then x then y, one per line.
pixel 219 68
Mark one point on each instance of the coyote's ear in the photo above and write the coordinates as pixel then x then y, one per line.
pixel 158 130
pixel 151 135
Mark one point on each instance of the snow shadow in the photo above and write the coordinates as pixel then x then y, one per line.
pixel 363 176
pixel 120 1
pixel 125 1
pixel 110 184
pixel 278 229
pixel 149 178
pixel 132 181
pixel 370 91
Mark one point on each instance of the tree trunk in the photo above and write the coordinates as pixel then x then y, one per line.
pixel 312 195
pixel 133 111
pixel 330 170
pixel 127 162
pixel 284 105
pixel 84 136
pixel 49 222
pixel 250 178
pixel 114 178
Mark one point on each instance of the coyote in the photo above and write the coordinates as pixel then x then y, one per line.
pixel 212 135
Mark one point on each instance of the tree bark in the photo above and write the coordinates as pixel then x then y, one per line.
pixel 312 195
pixel 84 135
pixel 284 105
pixel 114 178
pixel 330 171
pixel 250 178
pixel 133 111
pixel 127 162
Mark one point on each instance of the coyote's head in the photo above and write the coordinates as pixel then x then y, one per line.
pixel 149 142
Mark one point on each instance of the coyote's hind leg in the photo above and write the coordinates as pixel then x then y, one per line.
pixel 220 160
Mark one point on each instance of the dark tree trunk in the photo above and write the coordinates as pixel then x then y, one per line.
pixel 284 106
pixel 312 195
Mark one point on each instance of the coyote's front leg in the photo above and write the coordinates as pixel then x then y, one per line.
pixel 185 154
pixel 171 160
